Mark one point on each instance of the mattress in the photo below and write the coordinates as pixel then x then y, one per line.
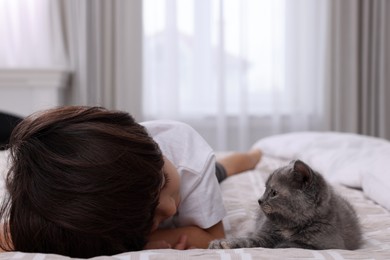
pixel 357 166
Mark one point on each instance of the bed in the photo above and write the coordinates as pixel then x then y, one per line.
pixel 358 167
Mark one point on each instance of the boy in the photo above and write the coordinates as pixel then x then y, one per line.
pixel 86 181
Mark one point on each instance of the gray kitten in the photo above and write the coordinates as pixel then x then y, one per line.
pixel 300 210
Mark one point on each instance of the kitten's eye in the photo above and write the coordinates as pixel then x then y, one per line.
pixel 273 193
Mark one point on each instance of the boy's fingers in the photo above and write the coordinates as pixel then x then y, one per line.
pixel 182 244
pixel 160 244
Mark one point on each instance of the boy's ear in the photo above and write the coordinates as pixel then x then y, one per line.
pixel 302 172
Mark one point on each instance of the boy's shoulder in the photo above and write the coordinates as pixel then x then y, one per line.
pixel 181 144
pixel 157 126
pixel 174 131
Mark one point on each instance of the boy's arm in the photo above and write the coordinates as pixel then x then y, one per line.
pixel 196 236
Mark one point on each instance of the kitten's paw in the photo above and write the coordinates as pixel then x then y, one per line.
pixel 220 244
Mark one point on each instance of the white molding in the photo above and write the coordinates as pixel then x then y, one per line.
pixel 33 78
pixel 25 91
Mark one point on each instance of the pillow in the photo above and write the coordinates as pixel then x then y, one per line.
pixel 353 160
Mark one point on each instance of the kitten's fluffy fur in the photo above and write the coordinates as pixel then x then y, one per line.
pixel 300 210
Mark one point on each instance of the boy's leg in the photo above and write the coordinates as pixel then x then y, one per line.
pixel 220 172
pixel 7 123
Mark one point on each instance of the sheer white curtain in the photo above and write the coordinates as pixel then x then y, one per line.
pixel 31 35
pixel 99 42
pixel 236 70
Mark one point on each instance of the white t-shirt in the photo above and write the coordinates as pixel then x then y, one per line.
pixel 201 200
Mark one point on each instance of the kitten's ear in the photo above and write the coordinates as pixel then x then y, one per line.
pixel 302 172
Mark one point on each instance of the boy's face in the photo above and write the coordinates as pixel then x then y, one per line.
pixel 169 196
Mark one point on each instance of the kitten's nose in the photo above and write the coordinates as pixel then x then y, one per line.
pixel 260 201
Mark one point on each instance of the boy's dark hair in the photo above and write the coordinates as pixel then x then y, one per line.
pixel 83 181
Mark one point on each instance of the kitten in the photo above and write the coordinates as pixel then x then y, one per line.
pixel 300 210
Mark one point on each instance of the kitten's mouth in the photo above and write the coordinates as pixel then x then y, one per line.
pixel 266 208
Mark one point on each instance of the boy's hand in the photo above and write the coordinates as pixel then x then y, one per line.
pixel 182 244
pixel 194 237
pixel 159 244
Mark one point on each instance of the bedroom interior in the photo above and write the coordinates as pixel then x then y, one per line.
pixel 298 79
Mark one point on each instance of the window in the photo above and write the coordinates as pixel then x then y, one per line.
pixel 204 56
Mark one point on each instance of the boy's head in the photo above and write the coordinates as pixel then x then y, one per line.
pixel 84 181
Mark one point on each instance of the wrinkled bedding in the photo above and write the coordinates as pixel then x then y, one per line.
pixel 357 166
